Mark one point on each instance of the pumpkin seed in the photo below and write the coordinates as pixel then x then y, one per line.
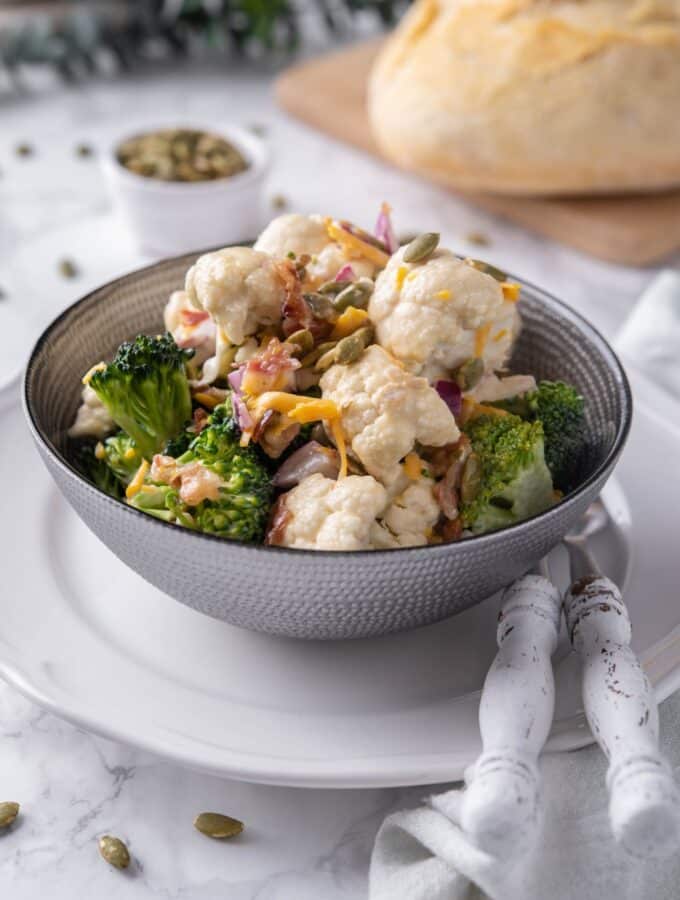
pixel 333 287
pixel 421 247
pixel 67 268
pixel 478 238
pixel 114 851
pixel 215 825
pixel 469 374
pixel 303 341
pixel 470 479
pixel 24 150
pixel 349 349
pixel 317 352
pixel 488 269
pixel 181 154
pixel 84 150
pixel 326 360
pixel 321 306
pixel 356 294
pixel 279 201
pixel 9 810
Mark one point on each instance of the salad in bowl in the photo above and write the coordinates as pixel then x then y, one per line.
pixel 328 389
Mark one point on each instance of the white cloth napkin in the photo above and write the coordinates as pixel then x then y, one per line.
pixel 423 854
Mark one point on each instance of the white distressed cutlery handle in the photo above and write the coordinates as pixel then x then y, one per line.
pixel 500 806
pixel 644 804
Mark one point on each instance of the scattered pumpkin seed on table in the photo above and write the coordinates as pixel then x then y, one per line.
pixel 84 150
pixel 421 247
pixel 24 150
pixel 279 201
pixel 114 851
pixel 218 826
pixel 478 238
pixel 9 810
pixel 68 268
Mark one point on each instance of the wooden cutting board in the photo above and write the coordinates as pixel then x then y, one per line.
pixel 329 93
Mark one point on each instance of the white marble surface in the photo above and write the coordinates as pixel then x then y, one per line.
pixel 73 787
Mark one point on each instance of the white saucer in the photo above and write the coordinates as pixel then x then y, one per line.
pixel 85 637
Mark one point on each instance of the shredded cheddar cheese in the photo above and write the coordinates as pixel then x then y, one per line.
pixel 303 410
pixel 353 246
pixel 501 334
pixel 135 485
pixel 130 453
pixel 99 451
pixel 412 275
pixel 207 400
pixel 413 466
pixel 443 295
pixel 351 319
pixel 472 410
pixel 481 337
pixel 510 291
pixel 90 372
pixel 402 272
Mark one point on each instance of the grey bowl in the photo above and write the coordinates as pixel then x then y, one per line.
pixel 300 593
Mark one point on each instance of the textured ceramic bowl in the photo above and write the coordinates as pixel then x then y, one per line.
pixel 301 593
pixel 170 217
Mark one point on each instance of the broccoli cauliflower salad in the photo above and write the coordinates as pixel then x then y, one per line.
pixel 328 389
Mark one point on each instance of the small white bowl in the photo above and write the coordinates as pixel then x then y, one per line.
pixel 172 217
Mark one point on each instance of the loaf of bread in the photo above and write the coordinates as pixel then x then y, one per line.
pixel 533 96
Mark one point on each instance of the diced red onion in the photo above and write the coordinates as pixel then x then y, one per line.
pixel 310 459
pixel 243 417
pixel 346 273
pixel 384 230
pixel 451 395
pixel 235 378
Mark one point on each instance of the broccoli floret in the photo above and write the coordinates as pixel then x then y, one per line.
pixel 96 470
pixel 242 510
pixel 146 390
pixel 122 456
pixel 560 408
pixel 513 481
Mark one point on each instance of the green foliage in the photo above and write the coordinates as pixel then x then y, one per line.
pixel 146 391
pixel 515 481
pixel 560 408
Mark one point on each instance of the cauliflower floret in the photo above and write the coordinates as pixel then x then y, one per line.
pixel 322 514
pixel 410 518
pixel 437 314
pixel 191 328
pixel 298 234
pixel 384 410
pixel 92 418
pixel 241 290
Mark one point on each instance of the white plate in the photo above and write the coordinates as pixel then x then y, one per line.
pixel 87 638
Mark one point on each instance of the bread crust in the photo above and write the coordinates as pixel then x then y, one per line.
pixel 533 96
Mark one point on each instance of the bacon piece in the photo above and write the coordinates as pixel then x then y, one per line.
pixel 193 317
pixel 271 369
pixel 201 420
pixel 296 312
pixel 195 482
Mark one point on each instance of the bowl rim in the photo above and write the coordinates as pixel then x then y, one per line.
pixel 253 148
pixel 481 540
